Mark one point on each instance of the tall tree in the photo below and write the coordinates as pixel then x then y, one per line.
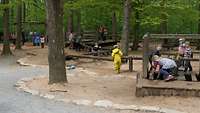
pixel 163 24
pixel 70 21
pixel 125 31
pixel 78 22
pixel 114 26
pixel 198 45
pixel 136 28
pixel 199 18
pixel 57 71
pixel 24 11
pixel 6 45
pixel 19 25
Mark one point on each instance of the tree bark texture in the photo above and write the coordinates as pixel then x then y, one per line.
pixel 136 29
pixel 163 24
pixel 114 26
pixel 6 45
pixel 125 31
pixel 56 58
pixel 198 45
pixel 199 18
pixel 24 12
pixel 19 26
pixel 70 26
pixel 79 22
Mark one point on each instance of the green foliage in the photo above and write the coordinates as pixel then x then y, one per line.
pixel 182 16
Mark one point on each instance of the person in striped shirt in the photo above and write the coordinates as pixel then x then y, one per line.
pixel 187 55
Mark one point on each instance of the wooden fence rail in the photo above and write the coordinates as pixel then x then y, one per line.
pixel 129 58
pixel 174 36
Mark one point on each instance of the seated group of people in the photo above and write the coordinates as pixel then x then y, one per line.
pixel 166 68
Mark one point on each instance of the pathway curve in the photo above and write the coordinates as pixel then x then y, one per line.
pixel 13 101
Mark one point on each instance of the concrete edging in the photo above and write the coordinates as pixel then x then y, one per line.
pixel 21 86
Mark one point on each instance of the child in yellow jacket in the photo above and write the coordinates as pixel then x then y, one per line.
pixel 116 56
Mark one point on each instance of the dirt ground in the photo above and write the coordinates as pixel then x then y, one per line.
pixel 96 80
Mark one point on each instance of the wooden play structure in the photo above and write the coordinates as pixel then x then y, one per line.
pixel 180 87
pixel 88 41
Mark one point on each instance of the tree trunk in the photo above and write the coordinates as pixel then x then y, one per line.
pixel 198 45
pixel 56 58
pixel 70 21
pixel 19 25
pixel 163 24
pixel 125 32
pixel 24 11
pixel 12 20
pixel 78 22
pixel 136 29
pixel 114 26
pixel 6 45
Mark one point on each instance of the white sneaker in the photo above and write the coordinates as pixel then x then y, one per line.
pixel 181 68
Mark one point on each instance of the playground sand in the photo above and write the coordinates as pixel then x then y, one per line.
pixel 95 80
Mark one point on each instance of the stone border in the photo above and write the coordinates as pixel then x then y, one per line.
pixel 22 63
pixel 21 86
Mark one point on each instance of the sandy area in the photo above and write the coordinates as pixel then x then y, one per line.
pixel 96 80
pixel 99 83
pixel 120 89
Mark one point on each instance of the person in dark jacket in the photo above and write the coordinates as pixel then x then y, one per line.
pixel 151 54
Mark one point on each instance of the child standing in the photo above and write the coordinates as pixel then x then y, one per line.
pixel 116 56
pixel 187 56
pixel 42 38
pixel 95 49
pixel 181 50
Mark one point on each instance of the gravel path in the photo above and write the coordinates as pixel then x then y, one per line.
pixel 13 101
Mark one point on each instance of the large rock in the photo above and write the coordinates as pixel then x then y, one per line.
pixel 82 102
pixel 103 103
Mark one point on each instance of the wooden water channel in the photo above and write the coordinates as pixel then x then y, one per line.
pixel 130 59
pixel 147 87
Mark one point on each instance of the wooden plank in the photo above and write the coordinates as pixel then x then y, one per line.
pixel 31 22
pixel 103 58
pixel 130 64
pixel 91 57
pixel 161 88
pixel 174 36
pixel 176 52
pixel 145 55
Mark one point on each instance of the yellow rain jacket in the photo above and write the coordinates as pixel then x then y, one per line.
pixel 116 56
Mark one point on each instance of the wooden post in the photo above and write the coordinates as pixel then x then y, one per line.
pixel 199 64
pixel 145 55
pixel 130 64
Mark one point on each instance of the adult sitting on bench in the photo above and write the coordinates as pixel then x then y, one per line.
pixel 164 67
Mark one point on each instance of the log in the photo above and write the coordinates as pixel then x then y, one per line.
pixel 130 58
pixel 174 36
pixel 104 58
pixel 91 57
pixel 175 53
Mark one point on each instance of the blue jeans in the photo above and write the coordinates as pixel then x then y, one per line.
pixel 164 73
